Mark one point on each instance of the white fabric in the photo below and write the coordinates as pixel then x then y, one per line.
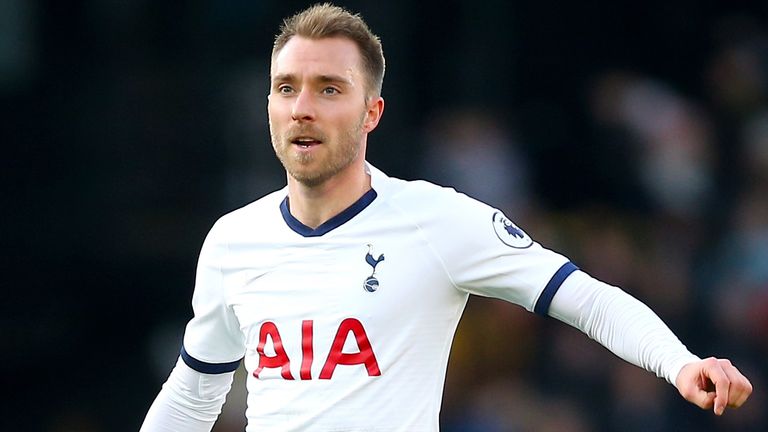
pixel 622 324
pixel 259 280
pixel 190 401
pixel 324 353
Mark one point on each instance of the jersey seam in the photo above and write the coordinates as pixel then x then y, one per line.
pixel 226 294
pixel 224 229
pixel 448 343
pixel 429 243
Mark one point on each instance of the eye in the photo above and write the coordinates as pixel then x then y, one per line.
pixel 285 89
pixel 330 91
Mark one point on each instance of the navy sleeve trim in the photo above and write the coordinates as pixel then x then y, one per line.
pixel 208 368
pixel 545 299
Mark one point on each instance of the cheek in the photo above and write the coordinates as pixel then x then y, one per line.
pixel 274 118
pixel 278 108
pixel 271 109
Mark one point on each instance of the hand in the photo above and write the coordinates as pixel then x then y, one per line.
pixel 713 383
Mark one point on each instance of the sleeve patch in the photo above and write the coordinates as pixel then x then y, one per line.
pixel 509 233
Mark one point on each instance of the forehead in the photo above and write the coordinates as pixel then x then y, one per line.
pixel 317 56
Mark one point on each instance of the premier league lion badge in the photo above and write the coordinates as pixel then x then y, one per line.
pixel 509 233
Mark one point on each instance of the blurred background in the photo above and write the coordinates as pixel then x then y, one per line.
pixel 631 137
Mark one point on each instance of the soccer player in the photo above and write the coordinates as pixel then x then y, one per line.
pixel 343 290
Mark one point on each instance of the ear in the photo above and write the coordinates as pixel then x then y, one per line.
pixel 375 108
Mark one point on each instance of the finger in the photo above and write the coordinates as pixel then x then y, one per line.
pixel 695 386
pixel 739 394
pixel 704 399
pixel 701 396
pixel 740 388
pixel 715 373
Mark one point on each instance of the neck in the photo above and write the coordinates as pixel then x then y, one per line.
pixel 313 205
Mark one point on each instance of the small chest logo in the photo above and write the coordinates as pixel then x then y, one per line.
pixel 371 283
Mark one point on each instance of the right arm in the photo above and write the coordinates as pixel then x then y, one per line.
pixel 189 401
pixel 192 398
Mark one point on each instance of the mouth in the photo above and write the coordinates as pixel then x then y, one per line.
pixel 305 141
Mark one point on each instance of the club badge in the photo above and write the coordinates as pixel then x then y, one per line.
pixel 371 283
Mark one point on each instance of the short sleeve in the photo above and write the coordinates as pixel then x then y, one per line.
pixel 486 254
pixel 213 341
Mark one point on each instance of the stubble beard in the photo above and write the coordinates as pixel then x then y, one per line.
pixel 337 157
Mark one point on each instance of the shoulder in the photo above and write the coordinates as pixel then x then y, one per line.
pixel 254 216
pixel 416 193
pixel 444 212
pixel 421 197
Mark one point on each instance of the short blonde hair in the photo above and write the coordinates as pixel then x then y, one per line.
pixel 327 20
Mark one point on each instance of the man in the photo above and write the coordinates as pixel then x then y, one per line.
pixel 343 290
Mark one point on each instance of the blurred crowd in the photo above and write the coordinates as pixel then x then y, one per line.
pixel 135 124
pixel 677 216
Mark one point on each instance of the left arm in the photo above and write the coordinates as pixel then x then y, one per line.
pixel 631 330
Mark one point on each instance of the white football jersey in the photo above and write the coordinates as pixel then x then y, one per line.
pixel 348 327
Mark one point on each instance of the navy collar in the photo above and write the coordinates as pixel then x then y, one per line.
pixel 332 223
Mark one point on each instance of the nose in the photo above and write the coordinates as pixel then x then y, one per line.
pixel 303 107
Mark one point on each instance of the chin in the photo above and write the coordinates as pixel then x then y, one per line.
pixel 309 177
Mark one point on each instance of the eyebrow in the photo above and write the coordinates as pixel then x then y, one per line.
pixel 288 77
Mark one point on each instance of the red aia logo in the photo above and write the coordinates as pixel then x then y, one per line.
pixel 335 356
